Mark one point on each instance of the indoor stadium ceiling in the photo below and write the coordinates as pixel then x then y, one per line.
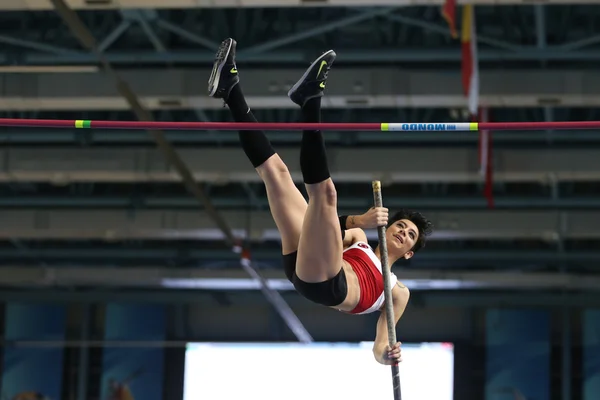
pixel 509 36
pixel 100 199
pixel 388 57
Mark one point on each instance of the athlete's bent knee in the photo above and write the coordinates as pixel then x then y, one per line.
pixel 325 191
pixel 273 166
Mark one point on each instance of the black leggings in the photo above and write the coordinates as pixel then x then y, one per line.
pixel 331 292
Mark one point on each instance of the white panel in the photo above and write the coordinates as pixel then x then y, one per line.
pixel 380 87
pixel 64 165
pixel 197 225
pixel 115 103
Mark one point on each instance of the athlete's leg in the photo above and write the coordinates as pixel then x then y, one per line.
pixel 287 204
pixel 320 248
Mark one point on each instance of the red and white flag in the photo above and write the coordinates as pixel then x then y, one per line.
pixel 470 84
pixel 449 14
pixel 486 167
pixel 470 65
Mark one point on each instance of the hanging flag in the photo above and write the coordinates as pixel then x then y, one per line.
pixel 449 14
pixel 483 143
pixel 485 158
pixel 470 69
pixel 470 84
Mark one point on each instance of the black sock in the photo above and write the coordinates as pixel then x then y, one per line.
pixel 311 112
pixel 238 106
pixel 255 144
pixel 313 157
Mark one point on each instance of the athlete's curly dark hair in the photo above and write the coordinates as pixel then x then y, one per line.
pixel 424 226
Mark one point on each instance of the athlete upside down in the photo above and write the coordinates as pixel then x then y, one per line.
pixel 345 273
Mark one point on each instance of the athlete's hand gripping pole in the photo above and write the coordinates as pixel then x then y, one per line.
pixel 387 290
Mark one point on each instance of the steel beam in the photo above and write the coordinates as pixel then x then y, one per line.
pixel 345 203
pixel 347 165
pixel 111 256
pixel 37 46
pixel 178 224
pixel 540 25
pixel 355 102
pixel 116 137
pixel 431 27
pixel 122 232
pixel 172 4
pixel 319 30
pixel 190 36
pixel 152 36
pixel 114 36
pixel 470 299
pixel 579 44
pixel 354 56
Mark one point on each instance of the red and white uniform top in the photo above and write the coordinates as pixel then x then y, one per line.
pixel 367 268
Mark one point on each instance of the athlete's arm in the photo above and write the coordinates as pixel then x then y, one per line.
pixel 400 296
pixel 350 221
pixel 372 218
pixel 354 235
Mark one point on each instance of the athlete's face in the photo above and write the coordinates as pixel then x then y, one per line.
pixel 401 237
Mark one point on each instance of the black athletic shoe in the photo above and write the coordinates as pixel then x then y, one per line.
pixel 224 75
pixel 312 84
